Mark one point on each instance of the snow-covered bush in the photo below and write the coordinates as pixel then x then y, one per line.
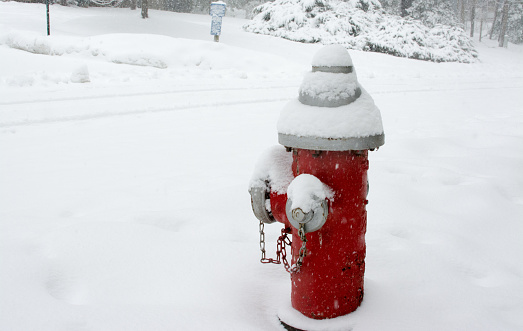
pixel 361 25
pixel 313 21
pixel 410 38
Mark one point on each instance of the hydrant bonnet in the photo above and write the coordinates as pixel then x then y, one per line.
pixel 333 112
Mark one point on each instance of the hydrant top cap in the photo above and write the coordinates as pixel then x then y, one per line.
pixel 332 56
pixel 333 112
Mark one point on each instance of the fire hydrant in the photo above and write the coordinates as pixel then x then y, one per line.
pixel 316 185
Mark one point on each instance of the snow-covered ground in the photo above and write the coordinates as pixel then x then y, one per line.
pixel 123 199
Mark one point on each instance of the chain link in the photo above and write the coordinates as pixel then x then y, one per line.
pixel 264 259
pixel 281 250
pixel 303 249
pixel 282 243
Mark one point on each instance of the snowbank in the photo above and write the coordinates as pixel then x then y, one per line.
pixel 361 25
pixel 142 50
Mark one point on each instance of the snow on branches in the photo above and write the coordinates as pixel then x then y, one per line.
pixel 361 25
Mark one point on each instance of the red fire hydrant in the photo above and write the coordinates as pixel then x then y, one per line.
pixel 316 185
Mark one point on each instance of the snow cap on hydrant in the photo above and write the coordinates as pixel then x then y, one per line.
pixel 333 112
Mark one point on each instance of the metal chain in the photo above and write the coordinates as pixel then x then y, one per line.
pixel 303 249
pixel 281 250
pixel 283 242
pixel 262 247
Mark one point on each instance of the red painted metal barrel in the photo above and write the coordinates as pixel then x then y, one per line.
pixel 330 281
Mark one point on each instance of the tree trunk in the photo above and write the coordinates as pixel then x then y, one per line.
pixel 472 17
pixel 504 21
pixel 462 14
pixel 145 9
pixel 495 19
pixel 484 9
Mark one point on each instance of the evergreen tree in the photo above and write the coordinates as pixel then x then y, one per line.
pixel 391 7
pixel 496 11
pixel 510 23
pixel 472 17
pixel 515 22
pixel 504 23
pixel 433 12
pixel 405 6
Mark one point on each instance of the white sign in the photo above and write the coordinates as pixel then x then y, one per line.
pixel 217 11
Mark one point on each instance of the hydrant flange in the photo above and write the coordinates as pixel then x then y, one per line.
pixel 331 144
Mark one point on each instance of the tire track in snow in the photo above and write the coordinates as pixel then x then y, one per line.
pixel 149 93
pixel 28 122
pixel 227 96
pixel 428 90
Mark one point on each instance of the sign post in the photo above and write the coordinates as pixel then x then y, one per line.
pixel 217 11
pixel 48 25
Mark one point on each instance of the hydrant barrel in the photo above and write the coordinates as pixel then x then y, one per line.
pixel 330 281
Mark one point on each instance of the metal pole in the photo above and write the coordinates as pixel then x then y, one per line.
pixel 48 25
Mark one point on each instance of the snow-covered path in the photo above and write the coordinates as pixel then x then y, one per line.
pixel 124 204
pixel 140 102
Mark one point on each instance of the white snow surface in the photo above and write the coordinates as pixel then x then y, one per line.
pixel 306 191
pixel 123 201
pixel 332 56
pixel 273 170
pixel 360 118
pixel 329 86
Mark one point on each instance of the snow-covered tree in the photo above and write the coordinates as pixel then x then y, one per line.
pixel 472 17
pixel 392 7
pixel 515 22
pixel 508 20
pixel 363 25
pixel 433 12
pixel 405 6
pixel 467 13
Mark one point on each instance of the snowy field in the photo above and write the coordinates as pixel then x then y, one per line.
pixel 126 148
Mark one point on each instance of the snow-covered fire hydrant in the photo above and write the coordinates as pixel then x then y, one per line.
pixel 316 185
